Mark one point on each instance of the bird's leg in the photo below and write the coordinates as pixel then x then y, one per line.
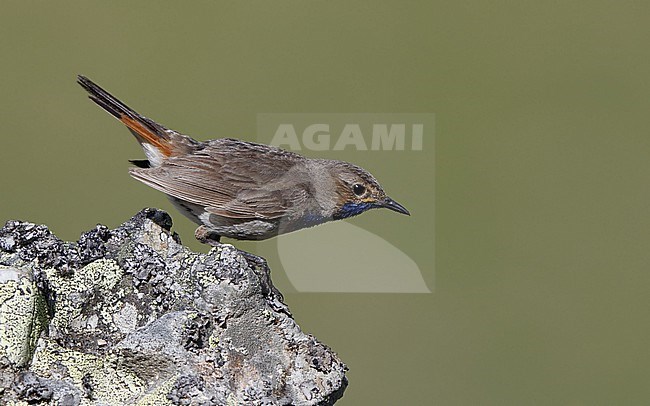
pixel 206 236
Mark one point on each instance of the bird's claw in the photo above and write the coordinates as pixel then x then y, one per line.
pixel 205 236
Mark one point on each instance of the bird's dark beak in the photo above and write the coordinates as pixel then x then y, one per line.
pixel 393 205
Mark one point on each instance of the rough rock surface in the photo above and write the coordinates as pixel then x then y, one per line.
pixel 132 317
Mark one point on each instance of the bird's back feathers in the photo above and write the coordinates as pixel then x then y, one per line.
pixel 232 178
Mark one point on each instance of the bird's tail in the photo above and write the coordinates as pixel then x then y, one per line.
pixel 164 141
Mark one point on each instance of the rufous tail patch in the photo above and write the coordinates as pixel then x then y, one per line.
pixel 147 135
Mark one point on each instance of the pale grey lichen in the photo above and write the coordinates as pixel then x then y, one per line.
pixel 131 316
pixel 112 383
pixel 22 314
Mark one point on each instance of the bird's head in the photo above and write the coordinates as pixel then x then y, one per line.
pixel 357 191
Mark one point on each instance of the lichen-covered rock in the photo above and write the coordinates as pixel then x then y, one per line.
pixel 22 315
pixel 132 317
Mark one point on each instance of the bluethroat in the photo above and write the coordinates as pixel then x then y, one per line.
pixel 239 189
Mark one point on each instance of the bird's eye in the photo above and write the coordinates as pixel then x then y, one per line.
pixel 358 189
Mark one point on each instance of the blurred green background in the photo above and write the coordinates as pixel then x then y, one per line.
pixel 540 292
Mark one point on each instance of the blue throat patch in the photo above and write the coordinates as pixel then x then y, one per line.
pixel 310 220
pixel 352 209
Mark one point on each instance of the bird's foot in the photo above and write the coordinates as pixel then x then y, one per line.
pixel 207 236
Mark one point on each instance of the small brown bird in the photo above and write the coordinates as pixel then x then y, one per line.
pixel 240 189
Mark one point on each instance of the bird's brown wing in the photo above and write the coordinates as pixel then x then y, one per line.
pixel 230 183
